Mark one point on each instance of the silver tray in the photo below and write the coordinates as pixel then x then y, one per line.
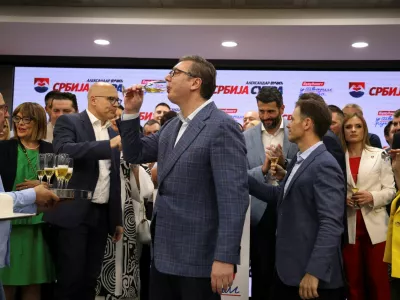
pixel 71 194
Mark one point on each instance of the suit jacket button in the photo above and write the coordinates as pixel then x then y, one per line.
pixel 397 224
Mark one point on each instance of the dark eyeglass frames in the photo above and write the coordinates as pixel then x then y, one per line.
pixel 176 71
pixel 25 120
pixel 112 100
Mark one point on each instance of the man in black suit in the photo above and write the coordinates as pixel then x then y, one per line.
pixel 351 109
pixel 82 226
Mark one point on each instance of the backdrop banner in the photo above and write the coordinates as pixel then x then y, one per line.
pixel 378 93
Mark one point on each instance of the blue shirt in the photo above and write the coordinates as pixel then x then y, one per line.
pixel 300 158
pixel 24 202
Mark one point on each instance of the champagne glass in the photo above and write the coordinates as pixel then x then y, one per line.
pixel 61 169
pixel 40 167
pixel 70 171
pixel 49 166
pixel 355 190
pixel 157 86
pixel 273 158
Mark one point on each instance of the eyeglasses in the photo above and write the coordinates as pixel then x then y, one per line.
pixel 25 120
pixel 112 100
pixel 4 107
pixel 176 71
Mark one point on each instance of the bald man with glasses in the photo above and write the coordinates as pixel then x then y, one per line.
pixel 82 226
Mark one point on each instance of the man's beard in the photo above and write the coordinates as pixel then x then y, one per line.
pixel 275 122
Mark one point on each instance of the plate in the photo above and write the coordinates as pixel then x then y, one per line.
pixel 72 194
pixel 17 216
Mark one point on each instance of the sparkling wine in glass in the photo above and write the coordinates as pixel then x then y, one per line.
pixel 40 167
pixel 70 171
pixel 49 166
pixel 355 190
pixel 157 86
pixel 61 169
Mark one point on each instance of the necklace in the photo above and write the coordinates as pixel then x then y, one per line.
pixel 33 148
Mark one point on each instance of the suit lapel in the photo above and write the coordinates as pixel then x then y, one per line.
pixel 350 179
pixel 286 144
pixel 258 143
pixel 367 163
pixel 302 167
pixel 192 131
pixel 87 125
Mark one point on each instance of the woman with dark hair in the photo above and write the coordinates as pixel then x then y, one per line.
pixel 31 263
pixel 370 187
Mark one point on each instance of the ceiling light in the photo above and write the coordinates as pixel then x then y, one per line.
pixel 102 42
pixel 229 44
pixel 360 45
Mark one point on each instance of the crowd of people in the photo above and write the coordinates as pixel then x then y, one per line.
pixel 324 222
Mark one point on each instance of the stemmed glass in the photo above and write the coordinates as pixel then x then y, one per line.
pixel 61 170
pixel 40 167
pixel 273 158
pixel 157 86
pixel 70 171
pixel 355 190
pixel 49 166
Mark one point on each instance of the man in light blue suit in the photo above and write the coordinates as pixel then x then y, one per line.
pixel 203 196
pixel 271 131
pixel 309 212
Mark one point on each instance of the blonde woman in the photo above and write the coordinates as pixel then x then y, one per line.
pixel 370 187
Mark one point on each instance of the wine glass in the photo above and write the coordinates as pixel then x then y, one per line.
pixel 157 86
pixel 70 171
pixel 49 166
pixel 354 190
pixel 40 167
pixel 61 169
pixel 273 158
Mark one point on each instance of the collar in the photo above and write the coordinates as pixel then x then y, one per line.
pixel 93 119
pixel 193 114
pixel 307 153
pixel 280 127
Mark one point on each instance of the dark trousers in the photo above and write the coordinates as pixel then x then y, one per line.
pixel 280 291
pixel 395 289
pixel 80 253
pixel 171 287
pixel 262 254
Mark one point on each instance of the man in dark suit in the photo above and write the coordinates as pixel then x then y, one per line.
pixel 82 226
pixel 271 131
pixel 351 109
pixel 309 212
pixel 203 193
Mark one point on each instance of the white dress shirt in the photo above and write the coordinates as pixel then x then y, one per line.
pixel 102 190
pixel 272 139
pixel 185 122
pixel 300 158
pixel 49 136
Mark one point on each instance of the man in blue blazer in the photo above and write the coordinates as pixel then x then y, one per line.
pixel 203 195
pixel 309 212
pixel 271 130
pixel 81 226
